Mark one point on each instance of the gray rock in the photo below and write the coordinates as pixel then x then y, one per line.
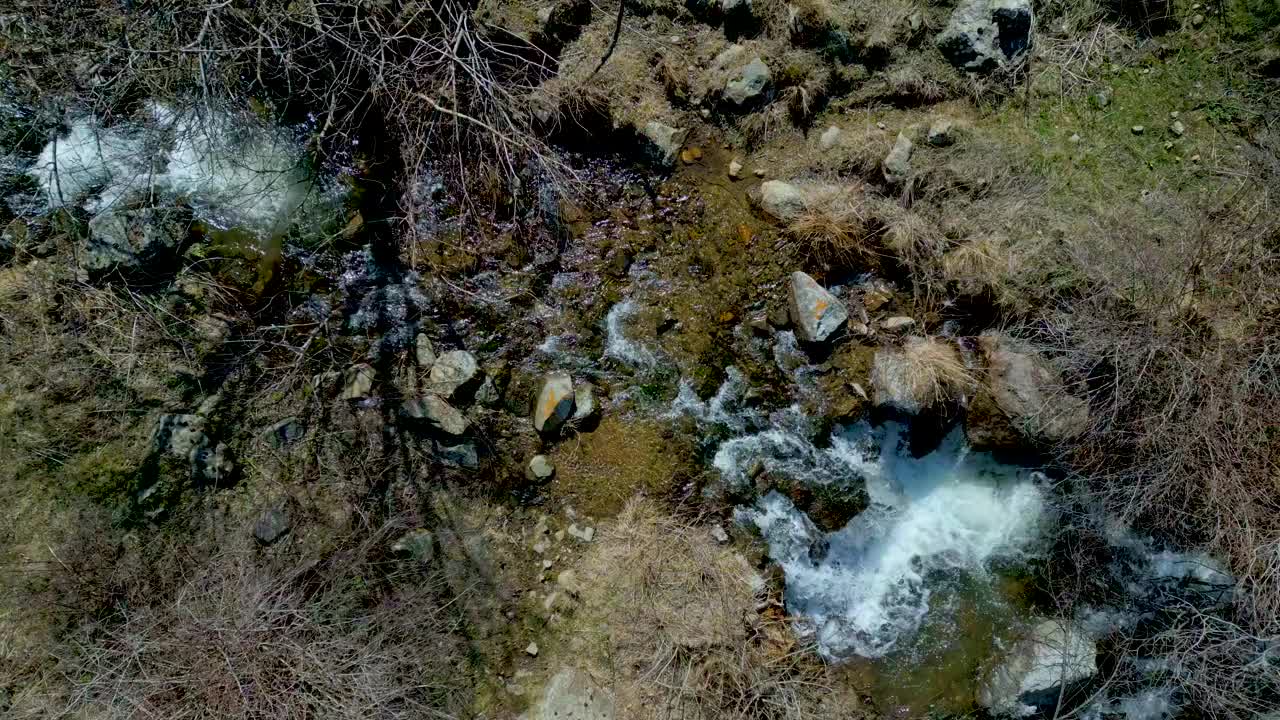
pixel 540 469
pixel 829 138
pixel 286 432
pixel 897 164
pixel 941 132
pixel 735 169
pixel 452 371
pixel 985 34
pixel 585 534
pixel 816 313
pixel 1031 676
pixel 424 351
pixel 555 403
pixel 1138 129
pixel 750 85
pixel 357 382
pixel 437 412
pixel 1029 390
pixel 418 544
pixel 585 408
pixel 1177 128
pixel 487 394
pixel 272 525
pixel 130 239
pixel 572 695
pixel 782 200
pixel 462 455
pixel 896 323
pixel 664 141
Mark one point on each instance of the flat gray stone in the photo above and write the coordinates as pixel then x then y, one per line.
pixel 540 469
pixel 439 414
pixel 452 371
pixel 750 84
pixel 782 200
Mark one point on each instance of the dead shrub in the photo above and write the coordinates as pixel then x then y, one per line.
pixel 674 617
pixel 922 372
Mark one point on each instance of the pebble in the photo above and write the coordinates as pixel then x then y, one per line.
pixel 1075 138
pixel 1137 129
pixel 898 323
pixel 546 564
pixel 532 649
pixel 1177 128
pixel 735 168
pixel 881 125
pixel 759 172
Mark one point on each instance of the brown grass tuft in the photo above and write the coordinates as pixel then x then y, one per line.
pixel 835 227
pixel 921 373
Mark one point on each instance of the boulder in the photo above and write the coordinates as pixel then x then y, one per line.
pixel 1031 676
pixel 555 403
pixel 453 371
pixel 272 525
pixel 540 469
pixel 897 164
pixel 816 313
pixel 750 85
pixel 357 382
pixel 664 142
pixel 572 695
pixel 985 34
pixel 1028 393
pixel 437 412
pixel 132 239
pixel 782 200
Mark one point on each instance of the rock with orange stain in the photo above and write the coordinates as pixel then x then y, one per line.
pixel 816 313
pixel 555 403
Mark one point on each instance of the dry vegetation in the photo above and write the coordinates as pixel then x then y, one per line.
pixel 922 372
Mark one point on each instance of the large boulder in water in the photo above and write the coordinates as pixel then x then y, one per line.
pixel 1054 655
pixel 985 34
pixel 815 311
pixel 1023 394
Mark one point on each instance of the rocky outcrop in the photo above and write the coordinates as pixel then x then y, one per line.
pixel 1023 394
pixel 1054 654
pixel 985 34
pixel 555 403
pixel 815 311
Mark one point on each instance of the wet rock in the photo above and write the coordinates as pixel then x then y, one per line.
pixel 540 469
pixel 782 200
pixel 572 695
pixel 555 403
pixel 1029 393
pixel 897 164
pixel 272 525
pixel 286 432
pixel 424 351
pixel 418 544
pixel 664 142
pixel 439 414
pixel 829 138
pixel 1031 677
pixel 985 34
pixel 462 455
pixel 452 372
pixel 750 86
pixel 816 313
pixel 133 239
pixel 357 382
pixel 941 132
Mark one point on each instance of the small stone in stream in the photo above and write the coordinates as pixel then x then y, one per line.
pixel 425 351
pixel 462 455
pixel 719 535
pixel 438 413
pixel 358 382
pixel 585 408
pixel 900 322
pixel 585 534
pixel 1177 128
pixel 286 432
pixel 750 85
pixel 272 525
pixel 897 164
pixel 941 132
pixel 829 138
pixel 665 142
pixel 1137 129
pixel 815 311
pixel 452 371
pixel 782 200
pixel 540 469
pixel 735 168
pixel 555 403
pixel 418 544
pixel 532 649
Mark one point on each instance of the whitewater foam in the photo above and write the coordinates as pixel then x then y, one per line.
pixel 862 589
pixel 618 345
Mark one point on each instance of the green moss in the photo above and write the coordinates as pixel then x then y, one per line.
pixel 108 474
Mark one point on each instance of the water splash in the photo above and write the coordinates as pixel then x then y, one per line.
pixel 618 345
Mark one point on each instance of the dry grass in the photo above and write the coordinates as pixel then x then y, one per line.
pixel 674 617
pixel 835 226
pixel 920 373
